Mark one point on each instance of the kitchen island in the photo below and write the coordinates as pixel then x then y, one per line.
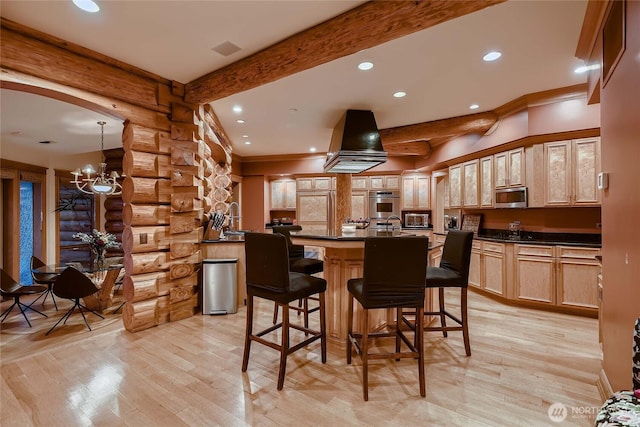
pixel 343 256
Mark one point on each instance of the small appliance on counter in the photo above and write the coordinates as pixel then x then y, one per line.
pixel 416 220
pixel 514 230
pixel 450 222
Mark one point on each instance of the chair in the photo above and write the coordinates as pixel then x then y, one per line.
pixel 623 407
pixel 299 264
pixel 394 277
pixel 453 272
pixel 43 279
pixel 11 289
pixel 73 284
pixel 268 277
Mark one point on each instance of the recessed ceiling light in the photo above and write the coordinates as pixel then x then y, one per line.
pixel 237 109
pixel 312 149
pixel 45 142
pixel 247 143
pixel 492 56
pixel 87 5
pixel 240 121
pixel 586 68
pixel 474 106
pixel 245 136
pixel 400 94
pixel 366 65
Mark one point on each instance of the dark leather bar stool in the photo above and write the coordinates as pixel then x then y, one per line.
pixel 453 272
pixel 43 279
pixel 9 288
pixel 394 277
pixel 299 264
pixel 73 284
pixel 268 277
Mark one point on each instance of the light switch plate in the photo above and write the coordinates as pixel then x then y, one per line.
pixel 603 181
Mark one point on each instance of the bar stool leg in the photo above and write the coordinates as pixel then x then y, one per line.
pixel 465 321
pixel 323 328
pixel 365 355
pixel 420 347
pixel 443 317
pixel 349 329
pixel 284 348
pixel 249 331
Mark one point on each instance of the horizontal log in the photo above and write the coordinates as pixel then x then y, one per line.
pixel 113 215
pixel 163 310
pixel 135 214
pixel 113 203
pixel 218 153
pixel 148 140
pixel 208 167
pixel 138 316
pixel 31 56
pixel 69 228
pixel 181 293
pixel 186 152
pixel 185 203
pixel 185 132
pixel 146 190
pixel 368 25
pixel 185 222
pixel 211 119
pixel 185 267
pixel 455 126
pixel 184 249
pixel 184 113
pixel 147 165
pixel 150 262
pixel 183 309
pixel 114 226
pixel 152 285
pixel 155 238
pixel 206 204
pixel 16 80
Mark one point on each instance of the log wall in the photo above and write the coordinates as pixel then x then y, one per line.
pixel 113 204
pixel 171 160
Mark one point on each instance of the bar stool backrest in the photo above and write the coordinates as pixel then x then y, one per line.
pixel 456 254
pixel 267 261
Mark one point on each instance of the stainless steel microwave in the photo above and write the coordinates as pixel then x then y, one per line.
pixel 515 197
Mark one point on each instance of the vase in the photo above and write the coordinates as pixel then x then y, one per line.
pixel 100 257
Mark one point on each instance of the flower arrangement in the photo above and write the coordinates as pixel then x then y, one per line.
pixel 98 241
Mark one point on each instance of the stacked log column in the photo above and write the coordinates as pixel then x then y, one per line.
pixel 164 201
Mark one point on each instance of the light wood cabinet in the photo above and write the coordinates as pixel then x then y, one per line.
pixel 493 267
pixel 486 182
pixel 535 273
pixel 359 205
pixel 416 190
pixel 475 264
pixel 313 211
pixel 566 276
pixel 283 194
pixel 570 172
pixel 388 182
pixel 577 277
pixel 315 184
pixel 509 168
pixel 471 184
pixel 359 183
pixel 455 186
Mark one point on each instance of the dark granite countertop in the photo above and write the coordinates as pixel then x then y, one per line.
pixel 535 238
pixel 358 235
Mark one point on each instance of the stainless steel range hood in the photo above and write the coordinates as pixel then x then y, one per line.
pixel 355 144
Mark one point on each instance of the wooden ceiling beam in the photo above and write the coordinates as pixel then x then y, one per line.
pixel 363 27
pixel 455 126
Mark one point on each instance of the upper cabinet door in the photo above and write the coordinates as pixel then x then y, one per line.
pixel 586 162
pixel 509 168
pixel 557 173
pixel 470 186
pixel 486 182
pixel 416 191
pixel 455 186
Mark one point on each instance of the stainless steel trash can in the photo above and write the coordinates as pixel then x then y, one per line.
pixel 219 287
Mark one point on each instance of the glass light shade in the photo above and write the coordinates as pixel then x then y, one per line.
pixel 88 170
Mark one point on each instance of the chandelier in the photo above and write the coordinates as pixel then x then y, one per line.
pixel 101 183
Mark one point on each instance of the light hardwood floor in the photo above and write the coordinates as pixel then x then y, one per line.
pixel 188 374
